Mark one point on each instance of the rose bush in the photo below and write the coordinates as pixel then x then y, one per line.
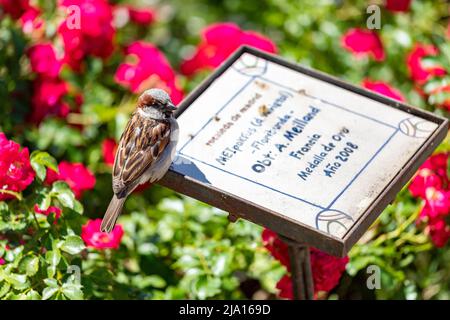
pixel 67 94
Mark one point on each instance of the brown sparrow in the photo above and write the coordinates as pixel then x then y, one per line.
pixel 146 150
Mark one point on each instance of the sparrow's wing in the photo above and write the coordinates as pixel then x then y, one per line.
pixel 141 145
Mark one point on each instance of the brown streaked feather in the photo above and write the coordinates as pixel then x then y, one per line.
pixel 137 152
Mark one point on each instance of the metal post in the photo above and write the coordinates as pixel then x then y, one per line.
pixel 301 274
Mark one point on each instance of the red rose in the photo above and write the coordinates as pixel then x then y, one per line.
pixel 109 148
pixel 362 42
pixel 432 174
pixel 15 8
pixel 94 238
pixel 431 183
pixel 16 172
pixel 150 70
pixel 439 232
pixel 398 5
pixel 76 175
pixel 218 42
pixel 437 203
pixel 142 17
pixel 43 60
pixel 438 164
pixel 420 73
pixel 95 35
pixel 384 89
pixel 284 285
pixel 50 210
pixel 277 248
pixel 47 99
pixel 425 178
pixel 32 23
pixel 327 270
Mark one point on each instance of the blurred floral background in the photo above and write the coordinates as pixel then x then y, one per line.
pixel 67 92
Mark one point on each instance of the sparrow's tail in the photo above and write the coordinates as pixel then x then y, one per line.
pixel 112 213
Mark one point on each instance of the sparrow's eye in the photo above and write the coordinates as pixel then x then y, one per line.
pixel 170 106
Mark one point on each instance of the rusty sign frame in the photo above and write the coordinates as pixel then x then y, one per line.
pixel 285 226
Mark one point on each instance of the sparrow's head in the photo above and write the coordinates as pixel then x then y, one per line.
pixel 157 99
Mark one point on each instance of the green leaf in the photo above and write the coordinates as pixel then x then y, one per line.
pixel 72 291
pixel 52 258
pixel 206 287
pixel 78 207
pixel 220 264
pixel 72 244
pixel 48 292
pixel 55 132
pixel 358 263
pixel 51 283
pixel 64 194
pixel 29 265
pixel 40 170
pixel 33 295
pixel 41 160
pixel 147 281
pixel 4 288
pixel 431 62
pixel 44 201
pixel 18 281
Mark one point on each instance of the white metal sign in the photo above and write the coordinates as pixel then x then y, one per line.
pixel 304 148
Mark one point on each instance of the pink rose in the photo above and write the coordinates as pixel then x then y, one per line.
pixel 218 42
pixel 141 16
pixel 432 174
pixel 94 238
pixel 420 73
pixel 437 203
pixel 109 148
pixel 95 35
pixel 15 8
pixel 398 5
pixel 32 23
pixel 362 42
pixel 47 99
pixel 384 89
pixel 425 178
pixel 76 175
pixel 150 70
pixel 439 232
pixel 44 61
pixel 16 173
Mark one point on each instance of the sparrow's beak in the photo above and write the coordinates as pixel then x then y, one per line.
pixel 171 106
